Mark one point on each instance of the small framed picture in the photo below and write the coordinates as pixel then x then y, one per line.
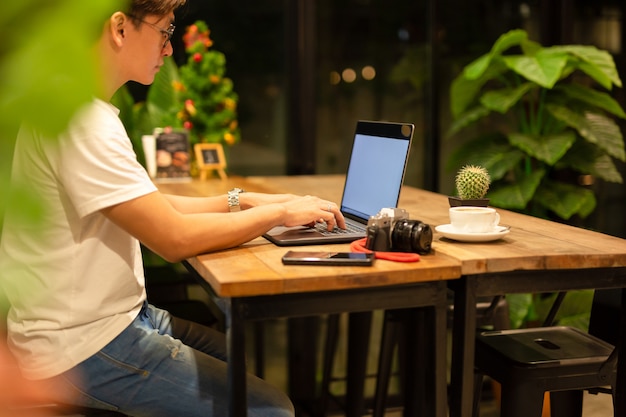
pixel 210 156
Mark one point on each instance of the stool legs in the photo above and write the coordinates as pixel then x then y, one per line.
pixel 478 388
pixel 566 403
pixel 422 364
pixel 359 329
pixel 521 400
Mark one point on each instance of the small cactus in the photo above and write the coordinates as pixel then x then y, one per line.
pixel 472 182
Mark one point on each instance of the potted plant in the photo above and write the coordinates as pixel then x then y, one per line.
pixel 540 112
pixel 472 183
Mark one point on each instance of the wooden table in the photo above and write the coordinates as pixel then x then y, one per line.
pixel 251 283
pixel 536 256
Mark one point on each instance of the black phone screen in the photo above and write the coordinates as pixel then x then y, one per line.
pixel 327 258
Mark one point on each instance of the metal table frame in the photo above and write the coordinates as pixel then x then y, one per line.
pixel 432 295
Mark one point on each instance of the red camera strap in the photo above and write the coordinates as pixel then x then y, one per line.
pixel 359 246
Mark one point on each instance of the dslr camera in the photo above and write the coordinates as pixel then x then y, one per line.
pixel 390 230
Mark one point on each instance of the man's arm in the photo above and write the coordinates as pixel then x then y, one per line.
pixel 219 204
pixel 171 228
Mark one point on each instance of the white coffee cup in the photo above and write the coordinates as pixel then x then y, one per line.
pixel 469 219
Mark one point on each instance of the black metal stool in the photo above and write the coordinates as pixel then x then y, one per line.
pixel 529 362
pixel 560 360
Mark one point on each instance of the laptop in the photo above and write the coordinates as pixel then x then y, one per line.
pixel 378 160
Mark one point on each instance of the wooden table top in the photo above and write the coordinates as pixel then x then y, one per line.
pixel 532 244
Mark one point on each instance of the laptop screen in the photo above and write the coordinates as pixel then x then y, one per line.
pixel 375 173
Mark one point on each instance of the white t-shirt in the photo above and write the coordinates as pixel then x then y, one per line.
pixel 76 280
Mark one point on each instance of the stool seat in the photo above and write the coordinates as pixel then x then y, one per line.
pixel 529 362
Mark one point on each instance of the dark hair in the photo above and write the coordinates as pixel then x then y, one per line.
pixel 142 8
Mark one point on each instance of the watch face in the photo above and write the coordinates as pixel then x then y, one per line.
pixel 233 199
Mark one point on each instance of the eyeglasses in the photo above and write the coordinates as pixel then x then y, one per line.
pixel 167 33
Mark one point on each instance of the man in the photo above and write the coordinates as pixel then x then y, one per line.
pixel 79 320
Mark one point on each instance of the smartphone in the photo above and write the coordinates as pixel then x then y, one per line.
pixel 328 258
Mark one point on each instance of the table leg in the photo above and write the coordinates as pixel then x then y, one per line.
pixel 439 353
pixel 359 329
pixel 619 395
pixel 418 389
pixel 302 336
pixel 463 345
pixel 235 343
pixel 426 362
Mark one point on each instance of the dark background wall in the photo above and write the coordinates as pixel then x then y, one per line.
pixel 289 60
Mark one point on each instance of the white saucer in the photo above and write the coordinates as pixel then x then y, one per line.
pixel 448 231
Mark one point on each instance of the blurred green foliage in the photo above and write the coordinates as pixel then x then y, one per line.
pixel 47 70
pixel 529 310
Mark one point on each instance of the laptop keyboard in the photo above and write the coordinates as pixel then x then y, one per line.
pixel 350 228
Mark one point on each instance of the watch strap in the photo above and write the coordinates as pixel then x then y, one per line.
pixel 233 199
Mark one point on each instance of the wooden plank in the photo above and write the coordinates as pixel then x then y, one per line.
pixel 256 269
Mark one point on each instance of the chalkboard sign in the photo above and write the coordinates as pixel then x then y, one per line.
pixel 172 155
pixel 210 157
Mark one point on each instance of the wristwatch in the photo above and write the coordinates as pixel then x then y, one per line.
pixel 233 199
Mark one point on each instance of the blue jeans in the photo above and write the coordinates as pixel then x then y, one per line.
pixel 164 366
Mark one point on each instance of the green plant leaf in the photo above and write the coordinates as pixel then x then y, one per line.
pixel 500 164
pixel 502 100
pixel 530 48
pixel 566 199
pixel 469 117
pixel 592 97
pixel 143 122
pixel 546 148
pixel 593 127
pixel 477 68
pixel 493 152
pixel 516 196
pixel 605 133
pixel 579 321
pixel 587 158
pixel 544 68
pixel 595 73
pixel 162 94
pixel 575 309
pixel 464 91
pixel 38 86
pixel 604 168
pixel 462 94
pixel 596 63
pixel 508 40
pixel 519 309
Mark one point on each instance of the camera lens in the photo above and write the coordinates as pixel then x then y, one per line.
pixel 411 236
